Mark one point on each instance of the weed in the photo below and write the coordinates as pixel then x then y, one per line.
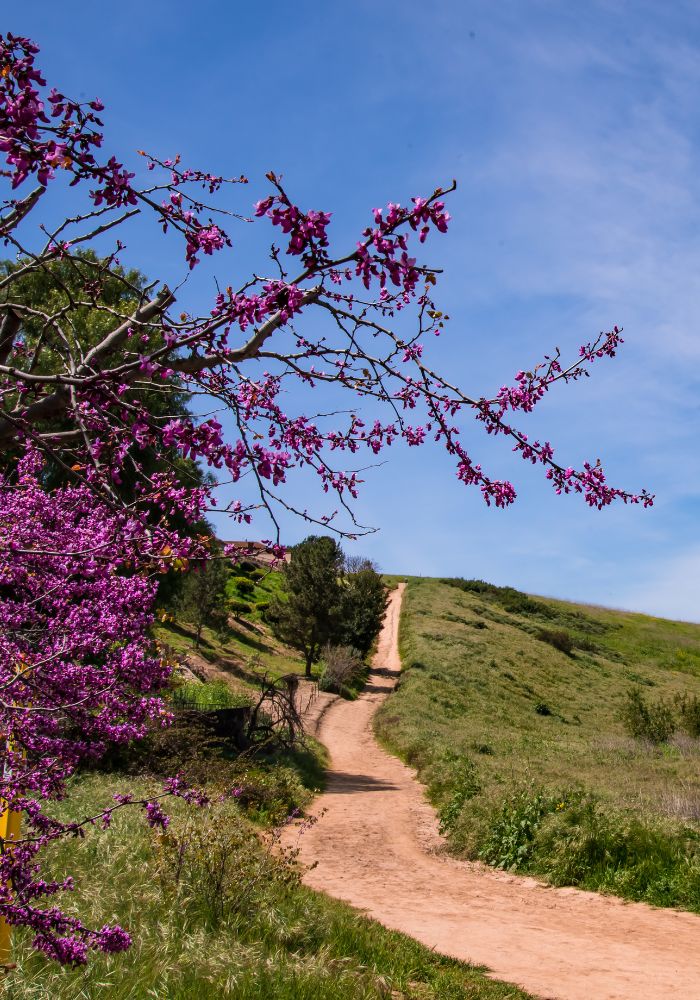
pixel 510 840
pixel 343 670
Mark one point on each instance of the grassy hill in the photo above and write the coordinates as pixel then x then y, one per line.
pixel 523 747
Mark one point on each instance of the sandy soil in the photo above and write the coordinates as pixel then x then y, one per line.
pixel 377 847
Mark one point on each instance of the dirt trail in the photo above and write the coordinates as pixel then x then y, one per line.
pixel 377 847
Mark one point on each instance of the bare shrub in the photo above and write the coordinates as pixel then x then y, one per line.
pixel 218 867
pixel 342 668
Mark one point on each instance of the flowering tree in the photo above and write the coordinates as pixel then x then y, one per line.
pixel 77 562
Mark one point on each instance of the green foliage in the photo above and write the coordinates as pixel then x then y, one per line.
pixel 586 842
pixel 237 607
pixel 689 713
pixel 464 785
pixel 363 604
pixel 270 792
pixel 510 840
pixel 653 721
pixel 243 585
pixel 307 615
pixel 203 597
pixel 558 638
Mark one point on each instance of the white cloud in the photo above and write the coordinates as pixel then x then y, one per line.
pixel 668 589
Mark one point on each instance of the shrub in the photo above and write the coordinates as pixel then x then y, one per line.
pixel 243 585
pixel 510 840
pixel 259 573
pixel 689 714
pixel 343 669
pixel 237 607
pixel 262 606
pixel 270 793
pixel 245 568
pixel 653 721
pixel 558 638
pixel 217 867
pixel 542 708
pixel 512 600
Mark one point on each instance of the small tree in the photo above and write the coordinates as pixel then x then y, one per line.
pixel 203 598
pixel 363 606
pixel 309 614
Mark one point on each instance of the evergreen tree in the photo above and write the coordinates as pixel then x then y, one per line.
pixel 363 605
pixel 309 613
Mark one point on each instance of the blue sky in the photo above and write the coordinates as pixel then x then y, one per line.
pixel 573 131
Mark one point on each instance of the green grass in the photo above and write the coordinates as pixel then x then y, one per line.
pixel 262 936
pixel 246 650
pixel 523 748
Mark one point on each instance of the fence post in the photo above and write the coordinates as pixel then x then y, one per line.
pixel 10 823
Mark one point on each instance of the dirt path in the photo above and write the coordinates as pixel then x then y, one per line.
pixel 376 845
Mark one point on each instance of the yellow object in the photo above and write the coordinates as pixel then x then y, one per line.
pixel 10 822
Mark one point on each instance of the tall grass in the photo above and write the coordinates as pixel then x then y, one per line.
pixel 223 918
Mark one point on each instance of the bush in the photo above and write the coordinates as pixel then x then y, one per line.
pixel 689 714
pixel 558 638
pixel 270 794
pixel 237 607
pixel 509 598
pixel 217 868
pixel 262 606
pixel 653 721
pixel 343 669
pixel 510 840
pixel 243 585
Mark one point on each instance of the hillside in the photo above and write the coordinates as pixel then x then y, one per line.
pixel 522 745
pixel 216 909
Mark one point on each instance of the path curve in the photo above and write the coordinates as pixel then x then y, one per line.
pixel 376 845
